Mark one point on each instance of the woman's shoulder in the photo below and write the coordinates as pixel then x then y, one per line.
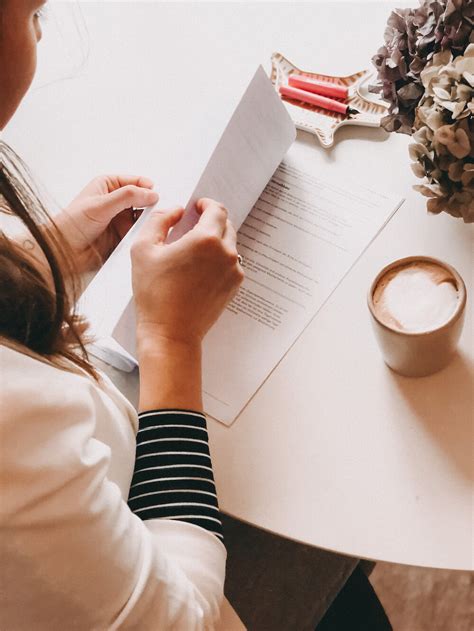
pixel 22 370
pixel 13 356
pixel 29 378
pixel 34 388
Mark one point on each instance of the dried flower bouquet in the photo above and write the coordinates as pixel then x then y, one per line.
pixel 426 73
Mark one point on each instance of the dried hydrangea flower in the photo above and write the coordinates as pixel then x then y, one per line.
pixel 444 134
pixel 443 147
pixel 412 37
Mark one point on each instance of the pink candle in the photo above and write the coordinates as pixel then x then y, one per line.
pixel 316 99
pixel 319 87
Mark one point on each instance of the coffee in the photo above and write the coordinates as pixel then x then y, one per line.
pixel 416 297
pixel 417 306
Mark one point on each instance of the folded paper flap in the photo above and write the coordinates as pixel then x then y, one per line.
pixel 252 146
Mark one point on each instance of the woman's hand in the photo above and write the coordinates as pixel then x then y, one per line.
pixel 180 290
pixel 101 215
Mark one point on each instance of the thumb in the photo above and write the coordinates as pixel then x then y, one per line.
pixel 110 205
pixel 160 222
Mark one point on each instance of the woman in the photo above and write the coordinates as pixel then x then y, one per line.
pixel 94 538
pixel 109 520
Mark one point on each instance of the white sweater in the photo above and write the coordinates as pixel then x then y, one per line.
pixel 72 553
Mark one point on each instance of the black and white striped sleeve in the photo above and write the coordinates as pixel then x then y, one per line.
pixel 173 477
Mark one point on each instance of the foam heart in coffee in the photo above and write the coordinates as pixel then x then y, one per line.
pixel 416 297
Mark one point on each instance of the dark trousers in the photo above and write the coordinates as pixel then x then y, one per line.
pixel 275 584
pixel 355 608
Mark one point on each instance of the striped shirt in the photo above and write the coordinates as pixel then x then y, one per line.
pixel 173 477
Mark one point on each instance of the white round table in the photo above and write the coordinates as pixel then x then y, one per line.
pixel 334 450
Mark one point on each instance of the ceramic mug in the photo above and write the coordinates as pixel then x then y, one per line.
pixel 421 353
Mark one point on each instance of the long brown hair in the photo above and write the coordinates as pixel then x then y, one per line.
pixel 37 300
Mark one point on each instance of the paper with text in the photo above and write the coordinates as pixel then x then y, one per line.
pixel 257 137
pixel 301 238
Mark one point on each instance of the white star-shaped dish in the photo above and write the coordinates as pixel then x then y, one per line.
pixel 324 123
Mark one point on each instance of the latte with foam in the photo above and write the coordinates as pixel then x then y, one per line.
pixel 416 297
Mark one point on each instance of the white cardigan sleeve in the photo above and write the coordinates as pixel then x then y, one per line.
pixel 73 554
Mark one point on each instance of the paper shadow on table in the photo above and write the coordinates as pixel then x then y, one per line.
pixel 444 403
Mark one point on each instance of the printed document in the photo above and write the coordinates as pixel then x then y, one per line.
pixel 299 241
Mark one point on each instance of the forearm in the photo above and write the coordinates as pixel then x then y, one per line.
pixel 173 477
pixel 170 372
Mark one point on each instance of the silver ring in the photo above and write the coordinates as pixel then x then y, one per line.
pixel 240 259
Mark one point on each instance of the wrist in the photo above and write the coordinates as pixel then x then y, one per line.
pixel 153 340
pixel 170 370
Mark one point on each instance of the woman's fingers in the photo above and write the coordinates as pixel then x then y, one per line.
pixel 118 181
pixel 159 223
pixel 104 184
pixel 230 236
pixel 110 205
pixel 230 241
pixel 213 216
